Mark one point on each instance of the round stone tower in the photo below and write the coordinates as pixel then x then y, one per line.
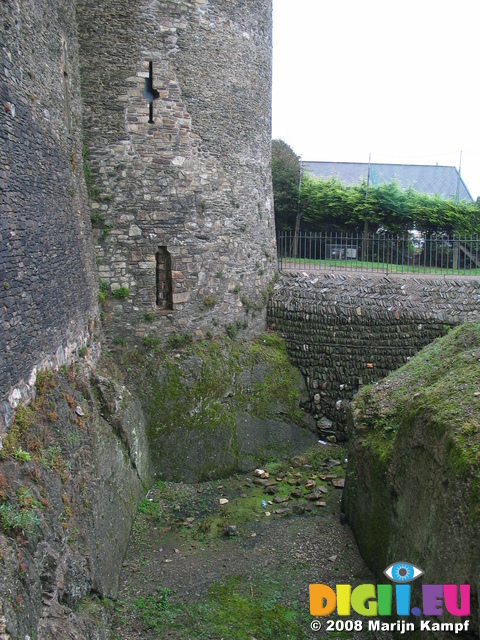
pixel 176 98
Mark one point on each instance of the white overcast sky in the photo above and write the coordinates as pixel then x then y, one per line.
pixel 397 78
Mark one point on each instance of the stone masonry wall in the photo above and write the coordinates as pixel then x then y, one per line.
pixel 182 206
pixel 348 330
pixel 47 282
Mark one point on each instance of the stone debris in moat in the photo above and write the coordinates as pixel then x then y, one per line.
pixel 298 508
pixel 298 461
pixel 230 531
pixel 271 489
pixel 333 463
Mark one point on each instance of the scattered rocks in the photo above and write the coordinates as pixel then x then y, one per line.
pixel 298 461
pixel 223 501
pixel 230 531
pixel 279 500
pixel 298 508
pixel 271 489
pixel 333 463
pixel 338 483
pixel 297 493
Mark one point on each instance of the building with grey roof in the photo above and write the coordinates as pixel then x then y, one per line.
pixel 441 180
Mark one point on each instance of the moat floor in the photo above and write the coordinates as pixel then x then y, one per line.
pixel 197 568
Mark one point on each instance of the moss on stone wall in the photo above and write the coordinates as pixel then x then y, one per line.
pixel 194 388
pixel 217 406
pixel 413 484
pixel 440 387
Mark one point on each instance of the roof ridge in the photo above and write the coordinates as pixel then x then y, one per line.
pixel 387 164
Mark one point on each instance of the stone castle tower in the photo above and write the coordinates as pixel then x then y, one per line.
pixel 177 120
pixel 134 150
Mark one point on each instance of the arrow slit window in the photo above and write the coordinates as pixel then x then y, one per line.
pixel 149 93
pixel 164 279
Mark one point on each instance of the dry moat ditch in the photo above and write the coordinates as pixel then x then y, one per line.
pixel 203 559
pixel 72 481
pixel 233 558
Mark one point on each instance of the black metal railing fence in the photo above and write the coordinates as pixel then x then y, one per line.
pixel 408 253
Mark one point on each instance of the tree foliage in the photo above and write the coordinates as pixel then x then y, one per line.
pixel 328 205
pixel 285 179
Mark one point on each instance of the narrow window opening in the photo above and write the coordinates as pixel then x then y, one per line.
pixel 164 279
pixel 149 93
pixel 66 86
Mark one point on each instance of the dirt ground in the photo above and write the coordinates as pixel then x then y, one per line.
pixel 188 575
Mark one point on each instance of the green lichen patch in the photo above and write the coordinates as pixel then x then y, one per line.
pixel 258 373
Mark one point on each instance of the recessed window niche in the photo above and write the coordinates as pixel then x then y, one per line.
pixel 164 279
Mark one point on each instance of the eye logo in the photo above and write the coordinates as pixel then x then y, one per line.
pixel 402 572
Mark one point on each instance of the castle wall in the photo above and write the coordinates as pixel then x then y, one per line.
pixel 182 207
pixel 47 281
pixel 348 330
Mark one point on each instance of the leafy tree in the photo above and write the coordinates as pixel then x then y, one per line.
pixel 331 206
pixel 286 180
